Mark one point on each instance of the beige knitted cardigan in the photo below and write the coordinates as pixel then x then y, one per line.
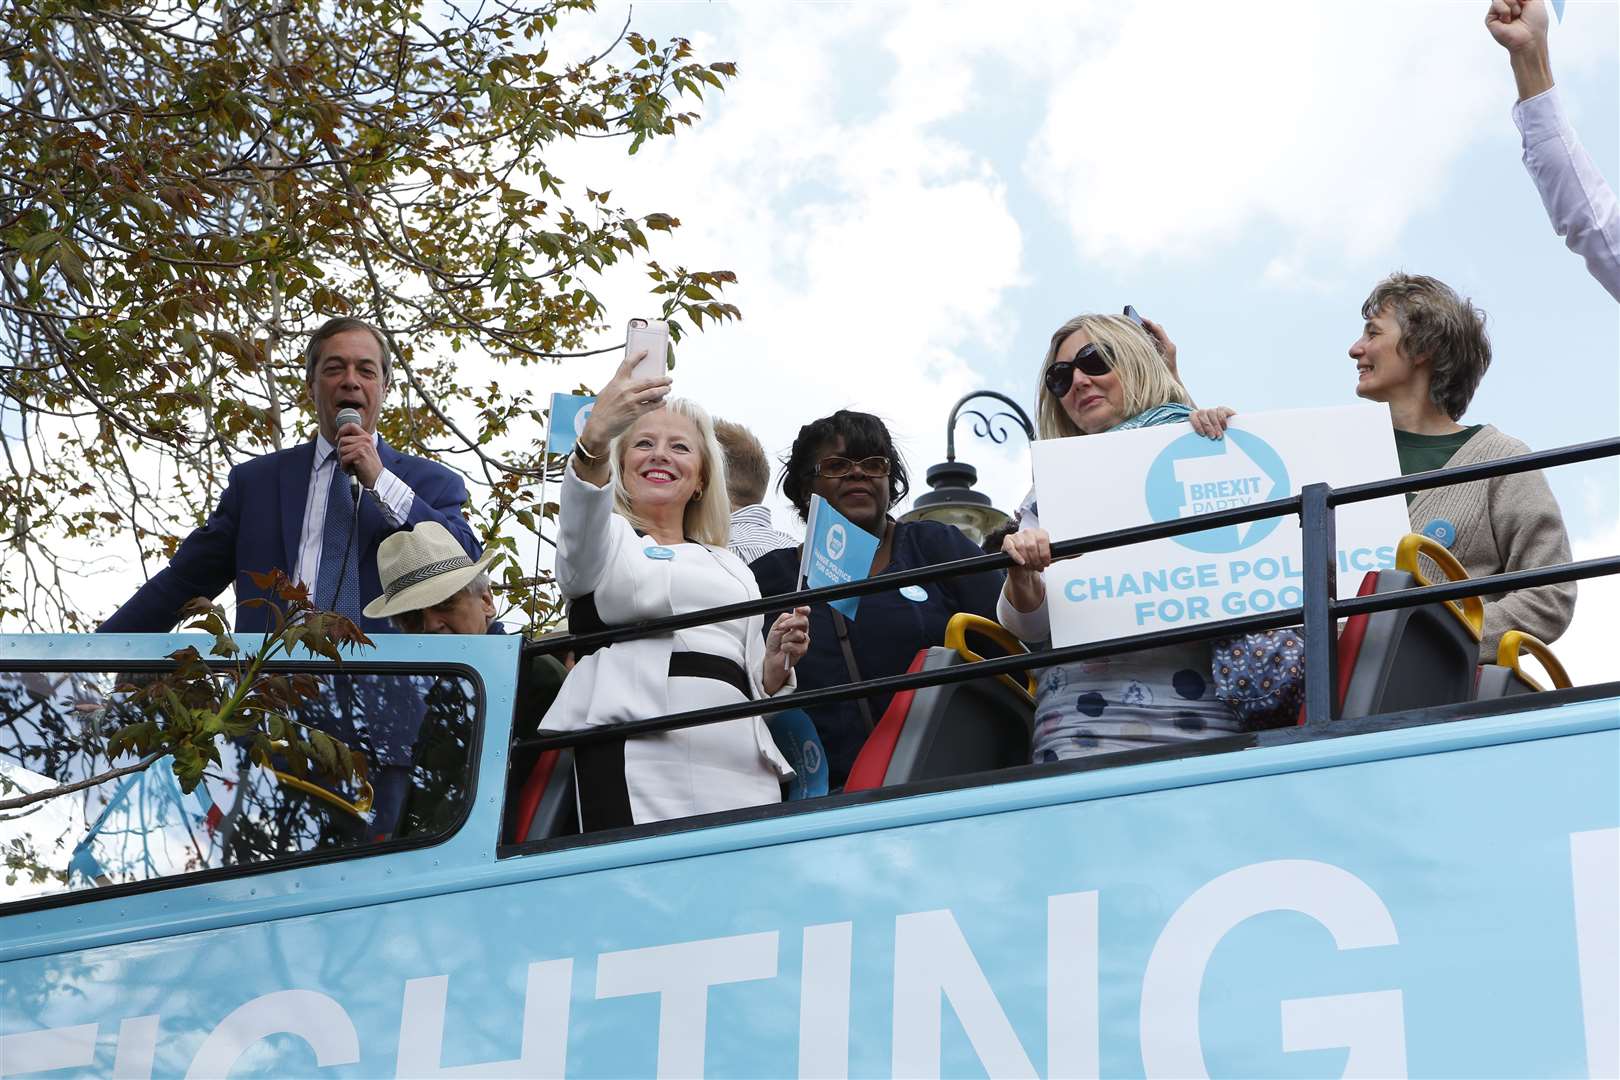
pixel 1503 524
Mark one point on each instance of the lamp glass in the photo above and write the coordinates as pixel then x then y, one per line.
pixel 975 520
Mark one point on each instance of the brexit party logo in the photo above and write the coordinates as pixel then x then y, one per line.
pixel 1195 475
pixel 835 542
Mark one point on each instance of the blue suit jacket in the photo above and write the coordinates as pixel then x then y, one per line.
pixel 257 526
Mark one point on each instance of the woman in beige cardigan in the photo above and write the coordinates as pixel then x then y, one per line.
pixel 1423 351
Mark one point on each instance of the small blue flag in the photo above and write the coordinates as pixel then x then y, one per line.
pixel 796 736
pixel 836 551
pixel 1558 9
pixel 569 412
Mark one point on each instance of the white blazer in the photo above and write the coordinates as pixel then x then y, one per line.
pixel 599 552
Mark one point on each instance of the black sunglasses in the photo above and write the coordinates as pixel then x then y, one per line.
pixel 1092 359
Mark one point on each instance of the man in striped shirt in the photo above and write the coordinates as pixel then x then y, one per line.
pixel 748 473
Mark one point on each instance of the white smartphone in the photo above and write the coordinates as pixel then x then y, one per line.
pixel 652 335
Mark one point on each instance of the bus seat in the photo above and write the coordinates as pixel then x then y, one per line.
pixel 538 684
pixel 546 804
pixel 872 763
pixel 1506 678
pixel 940 731
pixel 1413 657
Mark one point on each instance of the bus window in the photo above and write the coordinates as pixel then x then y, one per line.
pixel 414 732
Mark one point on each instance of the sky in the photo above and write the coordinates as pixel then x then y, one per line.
pixel 914 196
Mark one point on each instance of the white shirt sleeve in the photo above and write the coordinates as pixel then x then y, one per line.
pixel 754 634
pixel 394 498
pixel 584 540
pixel 1030 626
pixel 1579 203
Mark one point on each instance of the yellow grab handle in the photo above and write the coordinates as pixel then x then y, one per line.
pixel 1515 642
pixel 965 622
pixel 359 808
pixel 1471 609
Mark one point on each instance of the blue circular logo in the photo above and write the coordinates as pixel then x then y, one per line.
pixel 658 552
pixel 1195 475
pixel 1441 531
pixel 915 593
pixel 836 542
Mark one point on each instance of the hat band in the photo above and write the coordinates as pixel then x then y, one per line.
pixel 422 573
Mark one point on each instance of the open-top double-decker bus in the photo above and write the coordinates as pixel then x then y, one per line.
pixel 1421 878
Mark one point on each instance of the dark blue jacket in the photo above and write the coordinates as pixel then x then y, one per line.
pixel 257 526
pixel 888 629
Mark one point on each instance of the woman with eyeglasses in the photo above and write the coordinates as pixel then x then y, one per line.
pixel 850 460
pixel 1101 374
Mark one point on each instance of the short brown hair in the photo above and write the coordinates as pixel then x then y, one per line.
pixel 1438 324
pixel 332 327
pixel 748 471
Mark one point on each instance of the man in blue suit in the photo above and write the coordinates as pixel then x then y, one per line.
pixel 295 509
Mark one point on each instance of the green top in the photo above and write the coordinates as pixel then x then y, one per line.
pixel 1421 453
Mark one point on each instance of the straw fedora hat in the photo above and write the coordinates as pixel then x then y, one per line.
pixel 421 567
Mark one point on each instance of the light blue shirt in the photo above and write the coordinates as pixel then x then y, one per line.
pixel 394 497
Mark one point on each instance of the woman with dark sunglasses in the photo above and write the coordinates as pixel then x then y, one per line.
pixel 1101 374
pixel 850 460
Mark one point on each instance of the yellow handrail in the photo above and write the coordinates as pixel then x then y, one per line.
pixel 359 808
pixel 965 622
pixel 1471 609
pixel 1515 642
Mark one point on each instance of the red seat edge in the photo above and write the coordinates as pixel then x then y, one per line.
pixel 1355 632
pixel 533 788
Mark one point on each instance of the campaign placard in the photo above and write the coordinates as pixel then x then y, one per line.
pixel 836 551
pixel 1097 483
pixel 569 413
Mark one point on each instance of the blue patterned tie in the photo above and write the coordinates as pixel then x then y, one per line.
pixel 331 594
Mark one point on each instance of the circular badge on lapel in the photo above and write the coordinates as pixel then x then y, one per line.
pixel 1440 530
pixel 915 593
pixel 659 552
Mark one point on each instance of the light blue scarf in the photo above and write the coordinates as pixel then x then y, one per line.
pixel 1171 413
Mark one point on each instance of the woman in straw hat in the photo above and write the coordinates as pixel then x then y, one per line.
pixel 643 528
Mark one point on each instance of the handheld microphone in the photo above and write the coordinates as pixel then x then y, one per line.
pixel 344 418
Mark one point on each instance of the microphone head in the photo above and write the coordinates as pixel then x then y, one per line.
pixel 348 416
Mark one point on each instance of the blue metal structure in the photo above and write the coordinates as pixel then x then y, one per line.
pixel 1427 893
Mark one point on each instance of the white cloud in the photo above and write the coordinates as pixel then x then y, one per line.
pixel 1197 123
pixel 874 255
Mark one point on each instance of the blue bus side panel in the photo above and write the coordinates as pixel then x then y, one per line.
pixel 1420 912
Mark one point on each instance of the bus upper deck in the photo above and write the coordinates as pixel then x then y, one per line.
pixel 1414 889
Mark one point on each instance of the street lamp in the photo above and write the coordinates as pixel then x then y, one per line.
pixel 952 498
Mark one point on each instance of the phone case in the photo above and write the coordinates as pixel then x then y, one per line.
pixel 652 335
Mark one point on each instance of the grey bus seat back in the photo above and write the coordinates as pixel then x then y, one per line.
pixel 1411 658
pixel 961 728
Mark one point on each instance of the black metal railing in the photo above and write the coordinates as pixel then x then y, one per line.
pixel 1315 504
